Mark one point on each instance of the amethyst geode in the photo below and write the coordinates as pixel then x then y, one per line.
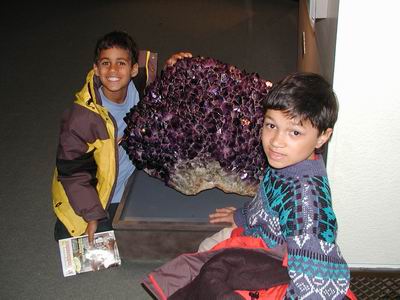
pixel 198 127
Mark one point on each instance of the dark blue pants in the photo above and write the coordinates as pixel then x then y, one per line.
pixel 61 232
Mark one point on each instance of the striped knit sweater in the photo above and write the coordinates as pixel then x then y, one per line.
pixel 293 209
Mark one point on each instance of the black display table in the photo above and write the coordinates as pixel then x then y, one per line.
pixel 155 221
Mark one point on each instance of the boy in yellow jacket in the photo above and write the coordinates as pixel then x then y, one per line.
pixel 91 168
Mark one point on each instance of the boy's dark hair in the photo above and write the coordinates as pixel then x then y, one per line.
pixel 117 39
pixel 307 96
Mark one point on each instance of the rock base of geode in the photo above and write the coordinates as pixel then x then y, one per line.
pixel 192 177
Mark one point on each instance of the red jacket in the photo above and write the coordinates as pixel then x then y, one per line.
pixel 241 267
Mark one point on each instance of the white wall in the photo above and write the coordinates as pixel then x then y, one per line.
pixel 364 154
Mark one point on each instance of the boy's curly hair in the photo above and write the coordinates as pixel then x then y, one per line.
pixel 117 39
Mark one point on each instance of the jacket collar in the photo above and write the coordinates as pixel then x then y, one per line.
pixel 89 93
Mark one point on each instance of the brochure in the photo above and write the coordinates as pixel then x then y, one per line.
pixel 78 257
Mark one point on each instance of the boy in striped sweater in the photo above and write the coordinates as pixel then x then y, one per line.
pixel 293 207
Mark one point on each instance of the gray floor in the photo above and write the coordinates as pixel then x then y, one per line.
pixel 46 51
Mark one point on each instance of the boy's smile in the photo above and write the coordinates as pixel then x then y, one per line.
pixel 115 69
pixel 287 141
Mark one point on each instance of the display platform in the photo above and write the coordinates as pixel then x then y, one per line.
pixel 154 221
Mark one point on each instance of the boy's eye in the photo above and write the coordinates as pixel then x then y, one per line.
pixel 121 63
pixel 105 63
pixel 269 125
pixel 296 133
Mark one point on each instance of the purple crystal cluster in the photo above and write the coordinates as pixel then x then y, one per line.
pixel 198 127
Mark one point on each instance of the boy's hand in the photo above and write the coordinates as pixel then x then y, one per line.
pixel 268 84
pixel 90 231
pixel 175 57
pixel 223 215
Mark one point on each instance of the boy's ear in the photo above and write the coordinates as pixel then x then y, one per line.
pixel 135 70
pixel 96 70
pixel 324 137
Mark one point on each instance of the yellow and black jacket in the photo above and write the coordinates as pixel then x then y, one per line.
pixel 87 155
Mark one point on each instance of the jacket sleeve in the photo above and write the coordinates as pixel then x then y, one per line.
pixel 147 62
pixel 315 264
pixel 76 166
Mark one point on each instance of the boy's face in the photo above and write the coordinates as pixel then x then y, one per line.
pixel 287 141
pixel 115 70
